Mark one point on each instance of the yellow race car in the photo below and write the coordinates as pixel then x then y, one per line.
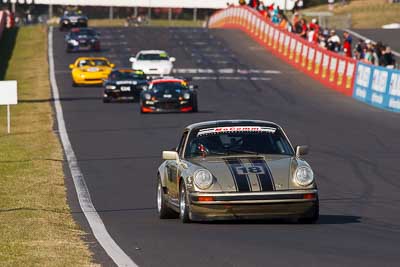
pixel 90 70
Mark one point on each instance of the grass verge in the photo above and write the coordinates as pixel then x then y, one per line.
pixel 36 225
pixel 152 23
pixel 365 13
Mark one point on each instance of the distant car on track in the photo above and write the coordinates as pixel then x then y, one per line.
pixel 153 62
pixel 90 70
pixel 71 19
pixel 124 84
pixel 236 169
pixel 82 39
pixel 169 95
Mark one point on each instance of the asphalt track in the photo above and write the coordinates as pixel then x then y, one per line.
pixel 354 153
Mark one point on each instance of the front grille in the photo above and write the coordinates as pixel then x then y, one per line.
pixel 167 105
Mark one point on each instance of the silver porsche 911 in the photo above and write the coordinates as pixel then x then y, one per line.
pixel 236 169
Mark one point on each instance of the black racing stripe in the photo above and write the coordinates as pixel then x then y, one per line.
pixel 241 179
pixel 266 180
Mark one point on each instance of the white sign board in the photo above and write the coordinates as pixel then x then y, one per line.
pixel 8 93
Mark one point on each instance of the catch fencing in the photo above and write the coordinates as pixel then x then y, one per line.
pixel 331 69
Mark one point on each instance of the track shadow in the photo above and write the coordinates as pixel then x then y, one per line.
pixel 7 44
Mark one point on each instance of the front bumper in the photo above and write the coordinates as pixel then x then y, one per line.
pixel 257 205
pixel 166 106
pixel 118 94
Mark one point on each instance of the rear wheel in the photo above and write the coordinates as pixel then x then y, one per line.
pixel 106 100
pixel 184 204
pixel 74 84
pixel 164 212
pixel 194 104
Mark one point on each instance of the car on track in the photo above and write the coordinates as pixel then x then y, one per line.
pixel 82 39
pixel 90 70
pixel 169 95
pixel 236 169
pixel 124 84
pixel 72 19
pixel 153 62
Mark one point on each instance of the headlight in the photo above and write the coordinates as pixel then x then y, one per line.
pixel 303 176
pixel 203 179
pixel 74 42
pixel 111 87
pixel 186 96
pixel 147 96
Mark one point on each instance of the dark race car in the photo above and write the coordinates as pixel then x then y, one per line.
pixel 82 39
pixel 124 84
pixel 169 95
pixel 73 19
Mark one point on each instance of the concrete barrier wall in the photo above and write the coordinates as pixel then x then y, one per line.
pixel 2 23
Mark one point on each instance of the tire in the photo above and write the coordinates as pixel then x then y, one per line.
pixel 312 217
pixel 74 84
pixel 164 212
pixel 106 100
pixel 184 205
pixel 194 104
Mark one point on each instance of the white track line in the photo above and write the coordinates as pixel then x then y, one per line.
pixel 366 38
pixel 94 220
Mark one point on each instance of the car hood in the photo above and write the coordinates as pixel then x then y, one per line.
pixel 127 82
pixel 249 173
pixel 149 64
pixel 95 69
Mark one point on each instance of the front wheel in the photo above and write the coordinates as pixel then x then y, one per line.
pixel 313 216
pixel 164 212
pixel 194 104
pixel 184 204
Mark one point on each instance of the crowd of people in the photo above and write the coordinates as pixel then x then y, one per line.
pixel 366 51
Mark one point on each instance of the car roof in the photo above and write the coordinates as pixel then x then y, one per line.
pixel 91 58
pixel 152 52
pixel 227 123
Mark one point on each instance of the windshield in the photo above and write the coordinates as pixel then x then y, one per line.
pixel 83 32
pixel 93 63
pixel 72 13
pixel 237 140
pixel 127 75
pixel 158 56
pixel 169 86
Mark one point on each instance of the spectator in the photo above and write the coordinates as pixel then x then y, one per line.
pixel 242 2
pixel 283 24
pixel 274 16
pixel 333 42
pixel 331 4
pixel 375 56
pixel 298 4
pixel 315 27
pixel 388 58
pixel 359 49
pixel 254 4
pixel 368 58
pixel 347 44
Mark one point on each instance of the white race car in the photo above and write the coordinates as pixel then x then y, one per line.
pixel 153 62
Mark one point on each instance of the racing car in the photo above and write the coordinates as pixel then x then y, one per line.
pixel 236 169
pixel 90 70
pixel 153 62
pixel 169 95
pixel 71 19
pixel 82 39
pixel 124 84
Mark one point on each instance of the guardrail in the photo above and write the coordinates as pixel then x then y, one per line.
pixel 331 69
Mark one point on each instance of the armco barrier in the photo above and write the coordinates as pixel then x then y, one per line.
pixel 333 70
pixel 378 86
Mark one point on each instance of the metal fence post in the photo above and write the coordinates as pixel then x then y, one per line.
pixel 111 12
pixel 194 14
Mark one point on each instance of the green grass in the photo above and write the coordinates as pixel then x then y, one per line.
pixel 36 225
pixel 152 23
pixel 365 13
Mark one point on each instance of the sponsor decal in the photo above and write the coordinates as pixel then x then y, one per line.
pixel 241 179
pixel 286 47
pixel 318 60
pixel 394 86
pixel 325 65
pixel 363 75
pixel 266 32
pixel 293 44
pixel 332 69
pixel 281 42
pixel 304 56
pixel 236 129
pixel 311 53
pixel 360 92
pixel 276 39
pixel 340 71
pixel 379 80
pixel 349 74
pixel 394 103
pixel 298 52
pixel 271 36
pixel 377 98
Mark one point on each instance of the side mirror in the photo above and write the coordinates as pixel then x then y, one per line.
pixel 132 59
pixel 170 155
pixel 112 65
pixel 71 66
pixel 193 86
pixel 301 150
pixel 172 59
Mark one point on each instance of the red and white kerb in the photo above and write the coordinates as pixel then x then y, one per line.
pixel 236 129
